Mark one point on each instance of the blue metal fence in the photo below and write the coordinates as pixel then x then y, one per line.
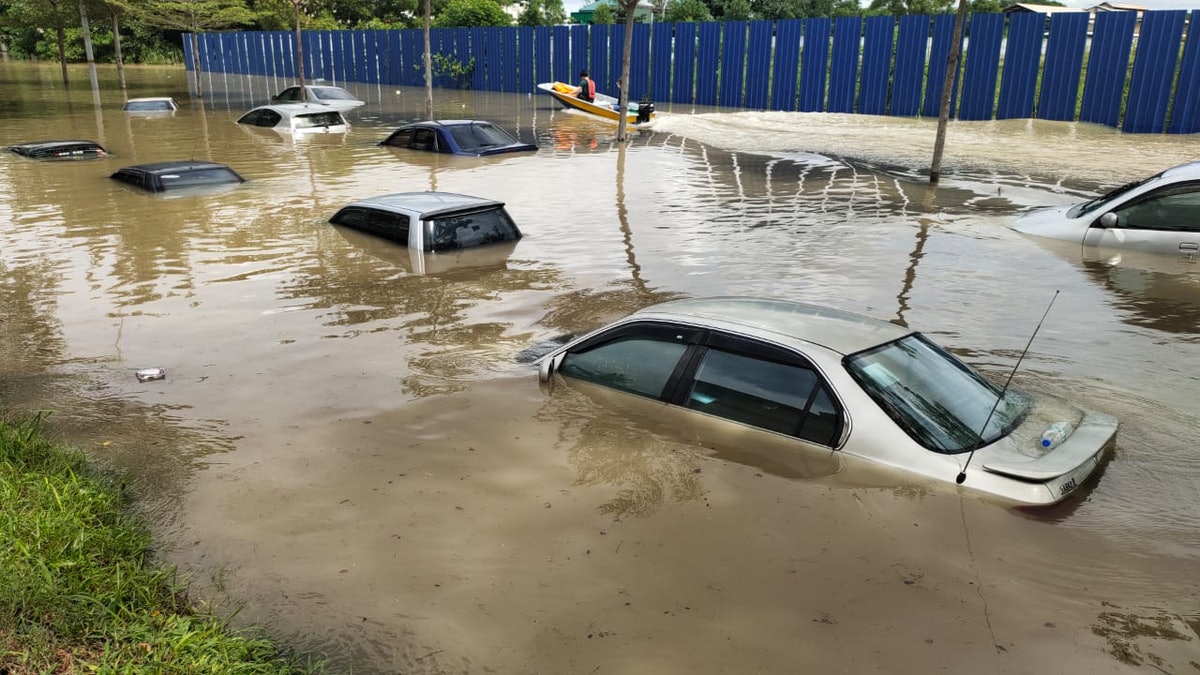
pixel 1140 73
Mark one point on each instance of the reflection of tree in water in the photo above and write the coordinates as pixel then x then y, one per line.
pixel 647 470
pixel 32 335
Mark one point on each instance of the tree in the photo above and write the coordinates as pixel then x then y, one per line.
pixel 193 16
pixel 900 7
pixel 472 13
pixel 679 11
pixel 53 14
pixel 605 15
pixel 543 13
pixel 629 7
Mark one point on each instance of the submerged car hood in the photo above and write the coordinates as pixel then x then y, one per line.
pixel 1053 222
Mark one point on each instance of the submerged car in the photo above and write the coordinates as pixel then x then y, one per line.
pixel 431 221
pixel 1160 214
pixel 177 175
pixel 834 381
pixel 151 104
pixel 319 94
pixel 457 137
pixel 296 118
pixel 60 150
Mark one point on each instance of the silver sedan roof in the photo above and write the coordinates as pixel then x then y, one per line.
pixel 836 330
pixel 425 204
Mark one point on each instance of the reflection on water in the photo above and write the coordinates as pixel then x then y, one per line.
pixel 346 440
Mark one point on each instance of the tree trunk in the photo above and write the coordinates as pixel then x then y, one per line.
pixel 299 54
pixel 428 67
pixel 630 6
pixel 939 143
pixel 60 34
pixel 196 63
pixel 86 26
pixel 116 29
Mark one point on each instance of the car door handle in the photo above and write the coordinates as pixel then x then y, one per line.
pixel 1189 247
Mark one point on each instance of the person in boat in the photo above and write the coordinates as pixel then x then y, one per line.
pixel 586 91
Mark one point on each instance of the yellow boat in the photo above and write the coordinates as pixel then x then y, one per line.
pixel 603 106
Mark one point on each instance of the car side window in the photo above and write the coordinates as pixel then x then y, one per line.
pixel 400 139
pixel 424 139
pixel 639 359
pixel 787 398
pixel 290 94
pixel 1172 209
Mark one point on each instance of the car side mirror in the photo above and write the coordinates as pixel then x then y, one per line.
pixel 546 370
pixel 1108 220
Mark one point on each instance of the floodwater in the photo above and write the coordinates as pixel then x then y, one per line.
pixel 350 447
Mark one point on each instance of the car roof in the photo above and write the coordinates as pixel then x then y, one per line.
pixel 834 329
pixel 447 123
pixel 1186 171
pixel 174 166
pixel 294 109
pixel 43 145
pixel 427 204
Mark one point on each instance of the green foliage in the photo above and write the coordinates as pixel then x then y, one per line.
pixel 76 593
pixel 472 13
pixel 542 13
pixel 449 66
pixel 900 7
pixel 605 15
pixel 687 10
pixel 195 16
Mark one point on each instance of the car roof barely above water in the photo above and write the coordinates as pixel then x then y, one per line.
pixel 427 203
pixel 834 329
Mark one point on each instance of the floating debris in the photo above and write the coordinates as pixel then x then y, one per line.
pixel 147 374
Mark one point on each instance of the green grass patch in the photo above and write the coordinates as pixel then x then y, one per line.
pixel 77 591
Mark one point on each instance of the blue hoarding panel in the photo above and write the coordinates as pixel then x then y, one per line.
pixel 707 63
pixel 616 46
pixel 1064 65
pixel 1022 56
pixel 1185 111
pixel 981 68
pixel 939 52
pixel 494 78
pixel 785 72
pixel 733 64
pixel 639 62
pixel 1108 67
pixel 876 65
pixel 543 46
pixel 684 78
pixel 758 64
pixel 525 81
pixel 562 55
pixel 479 48
pixel 598 38
pixel 814 56
pixel 580 49
pixel 908 79
pixel 188 61
pixel 1153 72
pixel 508 48
pixel 843 71
pixel 661 51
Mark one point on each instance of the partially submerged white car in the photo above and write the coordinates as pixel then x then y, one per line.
pixel 296 118
pixel 1160 214
pixel 832 381
pixel 319 94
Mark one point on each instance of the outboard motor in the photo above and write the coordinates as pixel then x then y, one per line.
pixel 645 109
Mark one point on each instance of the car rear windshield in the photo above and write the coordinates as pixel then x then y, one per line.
pixel 475 228
pixel 333 93
pixel 941 402
pixel 148 106
pixel 214 176
pixel 320 119
pixel 471 137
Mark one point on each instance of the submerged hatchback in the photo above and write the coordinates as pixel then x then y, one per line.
pixel 456 137
pixel 431 221
pixel 296 118
pixel 60 150
pixel 1160 214
pixel 831 381
pixel 177 175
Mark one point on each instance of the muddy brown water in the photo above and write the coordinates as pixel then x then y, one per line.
pixel 349 446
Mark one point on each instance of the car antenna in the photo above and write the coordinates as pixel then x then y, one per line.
pixel 962 475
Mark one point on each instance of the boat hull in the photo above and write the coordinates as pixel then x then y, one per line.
pixel 603 106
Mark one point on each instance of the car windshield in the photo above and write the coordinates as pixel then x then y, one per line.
pixel 148 105
pixel 941 402
pixel 480 135
pixel 321 119
pixel 332 93
pixel 1087 207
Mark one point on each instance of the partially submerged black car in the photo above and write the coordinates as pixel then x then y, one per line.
pixel 189 173
pixel 60 150
pixel 456 137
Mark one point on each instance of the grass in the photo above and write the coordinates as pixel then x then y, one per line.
pixel 78 592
